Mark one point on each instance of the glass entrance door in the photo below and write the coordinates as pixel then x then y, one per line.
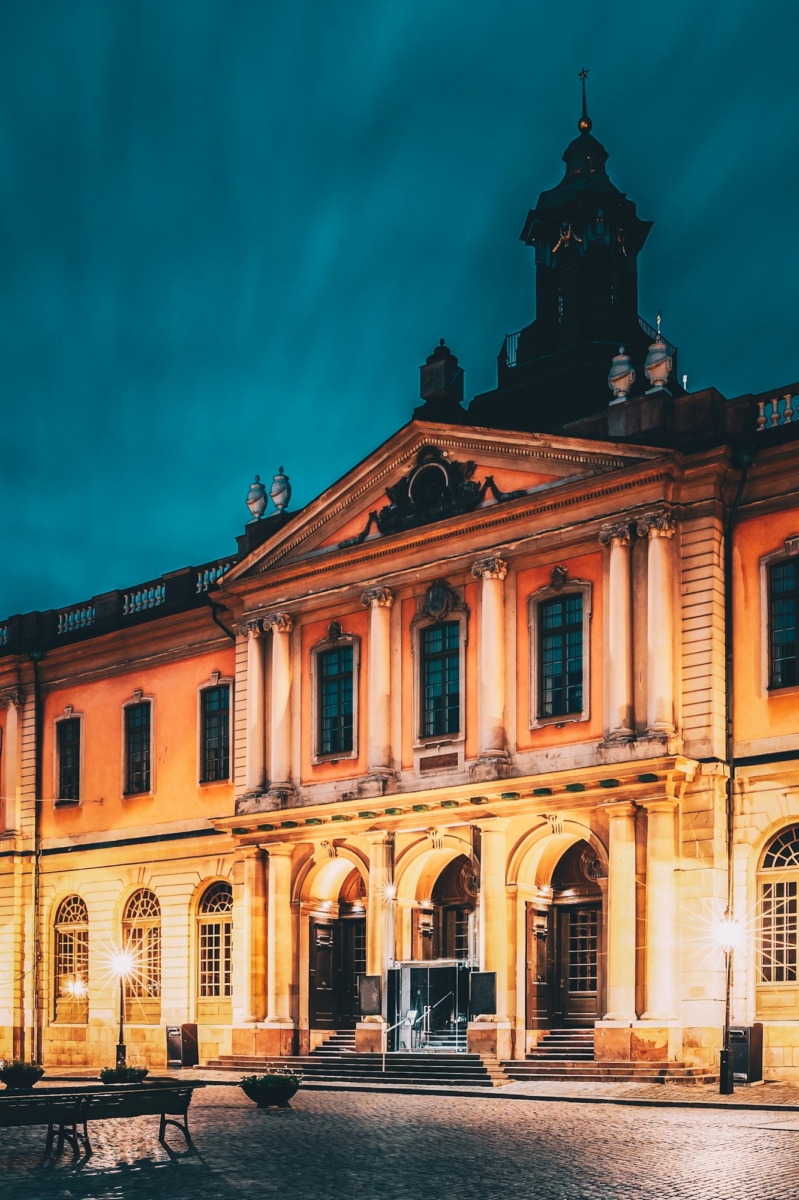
pixel 577 963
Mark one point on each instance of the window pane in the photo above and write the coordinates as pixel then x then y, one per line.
pixel 560 635
pixel 69 759
pixel 137 747
pixel 778 932
pixel 441 679
pixel 782 604
pixel 216 733
pixel 336 700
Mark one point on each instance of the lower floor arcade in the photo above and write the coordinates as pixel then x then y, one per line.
pixel 479 921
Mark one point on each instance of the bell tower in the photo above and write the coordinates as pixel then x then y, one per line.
pixel 586 236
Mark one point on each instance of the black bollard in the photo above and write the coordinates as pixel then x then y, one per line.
pixel 726 1075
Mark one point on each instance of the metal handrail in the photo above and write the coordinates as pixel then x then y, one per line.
pixel 387 1029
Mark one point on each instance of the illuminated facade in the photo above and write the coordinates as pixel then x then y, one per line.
pixel 464 712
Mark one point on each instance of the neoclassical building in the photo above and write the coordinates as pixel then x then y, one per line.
pixel 497 727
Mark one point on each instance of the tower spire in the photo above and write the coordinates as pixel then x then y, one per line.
pixel 585 122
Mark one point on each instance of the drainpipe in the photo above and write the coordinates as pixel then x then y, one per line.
pixel 744 459
pixel 36 1040
pixel 215 618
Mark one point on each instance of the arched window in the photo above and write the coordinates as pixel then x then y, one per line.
pixel 779 892
pixel 215 933
pixel 141 937
pixel 72 961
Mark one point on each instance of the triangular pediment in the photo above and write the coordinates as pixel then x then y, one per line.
pixel 427 473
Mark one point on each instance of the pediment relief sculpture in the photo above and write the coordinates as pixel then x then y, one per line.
pixel 436 487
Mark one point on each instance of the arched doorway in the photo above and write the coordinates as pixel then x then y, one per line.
pixel 337 956
pixel 565 963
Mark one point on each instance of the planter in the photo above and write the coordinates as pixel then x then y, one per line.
pixel 20 1076
pixel 132 1076
pixel 272 1090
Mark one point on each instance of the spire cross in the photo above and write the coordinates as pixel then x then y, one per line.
pixel 584 124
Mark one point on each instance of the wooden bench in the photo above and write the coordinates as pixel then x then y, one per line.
pixel 68 1109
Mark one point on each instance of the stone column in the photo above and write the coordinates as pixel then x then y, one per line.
pixel 255 765
pixel 253 920
pixel 661 912
pixel 11 761
pixel 619 652
pixel 659 528
pixel 281 625
pixel 279 954
pixel 621 913
pixel 492 1033
pixel 491 702
pixel 381 876
pixel 379 757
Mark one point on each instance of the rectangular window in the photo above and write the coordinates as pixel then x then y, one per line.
pixel 215 734
pixel 782 624
pixel 335 700
pixel 560 640
pixel 778 930
pixel 137 748
pixel 69 759
pixel 441 685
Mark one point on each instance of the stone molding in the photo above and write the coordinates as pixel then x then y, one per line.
pixel 490 568
pixel 377 597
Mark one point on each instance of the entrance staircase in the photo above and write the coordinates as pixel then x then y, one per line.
pixel 568 1055
pixel 336 1063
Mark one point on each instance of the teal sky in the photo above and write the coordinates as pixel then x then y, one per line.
pixel 231 232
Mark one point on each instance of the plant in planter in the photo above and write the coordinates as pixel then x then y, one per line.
pixel 272 1090
pixel 20 1076
pixel 123 1074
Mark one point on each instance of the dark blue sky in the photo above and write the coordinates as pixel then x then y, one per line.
pixel 232 230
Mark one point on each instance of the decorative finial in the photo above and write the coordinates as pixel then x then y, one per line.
pixel 280 491
pixel 585 122
pixel 256 498
pixel 685 383
pixel 441 341
pixel 658 319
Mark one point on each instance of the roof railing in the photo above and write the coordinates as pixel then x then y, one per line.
pixel 777 411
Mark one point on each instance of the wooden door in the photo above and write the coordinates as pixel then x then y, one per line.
pixel 323 972
pixel 538 999
pixel 577 964
pixel 353 964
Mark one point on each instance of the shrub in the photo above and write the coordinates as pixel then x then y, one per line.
pixel 123 1074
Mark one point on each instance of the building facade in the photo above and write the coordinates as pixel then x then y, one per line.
pixel 500 726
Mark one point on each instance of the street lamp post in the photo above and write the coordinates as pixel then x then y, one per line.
pixel 728 932
pixel 122 964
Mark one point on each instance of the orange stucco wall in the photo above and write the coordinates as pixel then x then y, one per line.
pixel 588 568
pixel 357 624
pixel 177 794
pixel 757 713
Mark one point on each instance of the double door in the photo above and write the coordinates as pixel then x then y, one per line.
pixel 564 965
pixel 336 958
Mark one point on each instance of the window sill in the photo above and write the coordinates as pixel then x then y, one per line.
pixel 137 795
pixel 559 722
pixel 204 783
pixel 66 804
pixel 442 740
pixel 792 689
pixel 319 760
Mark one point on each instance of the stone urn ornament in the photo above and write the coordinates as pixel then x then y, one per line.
pixel 280 491
pixel 256 499
pixel 658 363
pixel 621 376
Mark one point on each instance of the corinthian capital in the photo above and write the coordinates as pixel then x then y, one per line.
pixel 280 623
pixel 13 695
pixel 615 533
pixel 657 524
pixel 377 597
pixel 490 568
pixel 250 628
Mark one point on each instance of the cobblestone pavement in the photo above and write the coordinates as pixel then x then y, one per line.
pixel 331 1145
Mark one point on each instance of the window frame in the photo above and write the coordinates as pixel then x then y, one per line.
pixel 138 697
pixel 319 648
pixel 215 680
pixel 133 994
pixel 59 930
pixel 776 877
pixel 789 551
pixel 543 595
pixel 69 714
pixel 221 918
pixel 460 614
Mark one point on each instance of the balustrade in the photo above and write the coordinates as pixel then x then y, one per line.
pixel 777 411
pixel 76 618
pixel 143 598
pixel 206 576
